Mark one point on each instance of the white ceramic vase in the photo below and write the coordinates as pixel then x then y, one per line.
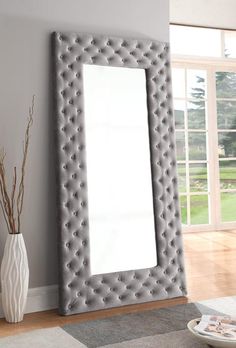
pixel 14 278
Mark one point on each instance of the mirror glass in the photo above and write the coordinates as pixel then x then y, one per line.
pixel 120 203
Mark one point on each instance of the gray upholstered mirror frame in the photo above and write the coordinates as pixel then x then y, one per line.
pixel 78 290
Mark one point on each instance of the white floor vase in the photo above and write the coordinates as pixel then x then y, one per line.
pixel 14 278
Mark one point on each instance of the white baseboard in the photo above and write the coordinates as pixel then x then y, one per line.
pixel 39 299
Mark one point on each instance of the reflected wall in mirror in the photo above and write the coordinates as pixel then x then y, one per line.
pixel 118 169
pixel 119 220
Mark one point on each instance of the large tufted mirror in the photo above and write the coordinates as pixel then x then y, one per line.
pixel 119 224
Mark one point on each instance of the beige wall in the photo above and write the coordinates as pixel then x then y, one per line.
pixel 214 13
pixel 25 28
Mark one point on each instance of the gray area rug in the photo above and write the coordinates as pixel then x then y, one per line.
pixel 158 328
pixel 120 328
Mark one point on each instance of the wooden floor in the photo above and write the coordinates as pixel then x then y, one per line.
pixel 210 259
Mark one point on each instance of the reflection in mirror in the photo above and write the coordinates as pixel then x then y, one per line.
pixel 121 219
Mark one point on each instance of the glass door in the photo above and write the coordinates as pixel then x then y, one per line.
pixel 226 127
pixel 190 108
pixel 205 121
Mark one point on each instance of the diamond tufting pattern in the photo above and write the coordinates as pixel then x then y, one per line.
pixel 79 291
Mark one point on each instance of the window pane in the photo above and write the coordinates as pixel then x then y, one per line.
pixel 228 203
pixel 198 177
pixel 225 84
pixel 196 84
pixel 227 144
pixel 196 115
pixel 199 209
pixel 197 146
pixel 182 177
pixel 179 107
pixel 227 174
pixel 180 146
pixel 226 114
pixel 178 83
pixel 230 44
pixel 195 41
pixel 183 208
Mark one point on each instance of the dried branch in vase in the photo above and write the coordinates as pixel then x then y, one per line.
pixel 11 201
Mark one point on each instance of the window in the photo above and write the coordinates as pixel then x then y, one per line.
pixel 226 125
pixel 204 90
pixel 195 41
pixel 191 143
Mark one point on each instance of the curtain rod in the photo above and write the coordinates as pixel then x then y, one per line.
pixel 201 26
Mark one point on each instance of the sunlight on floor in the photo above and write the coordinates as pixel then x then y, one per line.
pixel 210 259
